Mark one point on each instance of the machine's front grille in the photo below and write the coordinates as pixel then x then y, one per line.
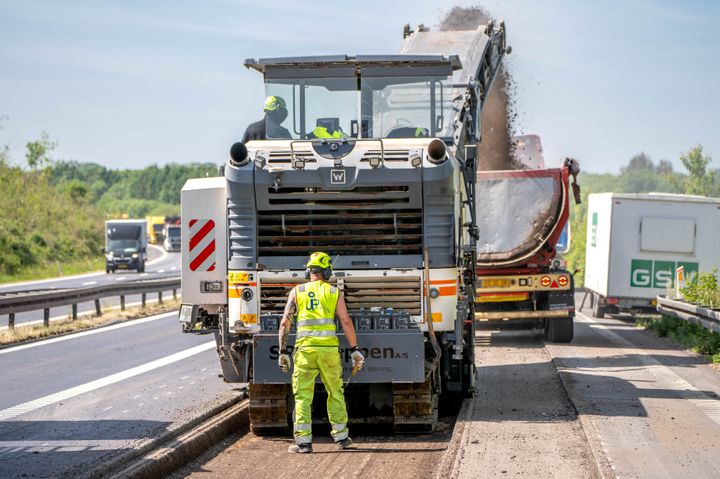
pixel 390 155
pixel 362 221
pixel 400 293
pixel 284 156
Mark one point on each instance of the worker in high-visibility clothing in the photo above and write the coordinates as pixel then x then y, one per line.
pixel 316 304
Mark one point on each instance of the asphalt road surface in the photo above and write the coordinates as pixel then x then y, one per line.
pixel 161 264
pixel 71 402
pixel 616 402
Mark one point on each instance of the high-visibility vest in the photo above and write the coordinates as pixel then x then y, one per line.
pixel 322 132
pixel 316 302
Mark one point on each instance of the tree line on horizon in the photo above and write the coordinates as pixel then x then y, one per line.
pixel 53 212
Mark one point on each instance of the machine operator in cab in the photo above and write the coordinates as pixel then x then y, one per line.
pixel 315 305
pixel 269 127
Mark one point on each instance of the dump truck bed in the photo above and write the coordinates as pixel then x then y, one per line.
pixel 520 215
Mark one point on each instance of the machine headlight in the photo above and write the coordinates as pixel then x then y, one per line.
pixel 109 255
pixel 135 255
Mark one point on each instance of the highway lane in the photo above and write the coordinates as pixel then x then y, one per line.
pixel 649 407
pixel 161 265
pixel 70 402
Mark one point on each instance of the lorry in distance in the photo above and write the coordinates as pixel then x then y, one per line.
pixel 125 245
pixel 155 225
pixel 171 232
pixel 636 242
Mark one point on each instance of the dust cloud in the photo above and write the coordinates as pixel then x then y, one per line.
pixel 495 149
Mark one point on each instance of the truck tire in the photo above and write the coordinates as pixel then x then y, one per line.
pixel 560 330
pixel 598 310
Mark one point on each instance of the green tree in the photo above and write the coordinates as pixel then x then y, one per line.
pixel 699 181
pixel 38 151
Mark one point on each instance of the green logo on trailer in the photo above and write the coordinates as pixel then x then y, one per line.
pixel 593 230
pixel 646 273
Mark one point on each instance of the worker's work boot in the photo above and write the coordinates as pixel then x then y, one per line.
pixel 300 448
pixel 344 444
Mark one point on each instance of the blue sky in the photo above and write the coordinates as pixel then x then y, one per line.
pixel 131 83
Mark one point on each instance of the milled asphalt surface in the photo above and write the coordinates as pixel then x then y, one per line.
pixel 161 267
pixel 67 437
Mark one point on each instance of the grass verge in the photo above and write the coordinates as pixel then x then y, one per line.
pixel 64 326
pixel 55 270
pixel 690 335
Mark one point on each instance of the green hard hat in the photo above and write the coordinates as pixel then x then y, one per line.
pixel 273 102
pixel 319 259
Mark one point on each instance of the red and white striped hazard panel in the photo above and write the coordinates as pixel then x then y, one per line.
pixel 202 245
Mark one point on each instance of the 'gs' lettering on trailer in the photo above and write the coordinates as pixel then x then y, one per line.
pixel 647 273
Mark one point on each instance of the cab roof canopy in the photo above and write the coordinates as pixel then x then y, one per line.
pixel 360 65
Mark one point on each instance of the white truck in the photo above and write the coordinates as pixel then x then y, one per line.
pixel 635 243
pixel 171 233
pixel 125 245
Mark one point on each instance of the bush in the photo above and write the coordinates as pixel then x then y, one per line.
pixel 703 290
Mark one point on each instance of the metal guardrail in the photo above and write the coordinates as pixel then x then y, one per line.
pixel 23 301
pixel 707 318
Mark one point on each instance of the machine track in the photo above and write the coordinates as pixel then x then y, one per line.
pixel 415 407
pixel 269 411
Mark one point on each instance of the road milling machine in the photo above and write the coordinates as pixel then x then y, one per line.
pixel 388 190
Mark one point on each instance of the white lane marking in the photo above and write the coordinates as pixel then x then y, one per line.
pixel 173 268
pixel 666 376
pixel 163 255
pixel 161 271
pixel 143 274
pixel 136 396
pixel 126 324
pixel 107 408
pixel 120 278
pixel 35 404
pixel 50 280
pixel 89 283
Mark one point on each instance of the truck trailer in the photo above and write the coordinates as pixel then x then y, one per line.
pixel 125 245
pixel 522 214
pixel 391 197
pixel 635 243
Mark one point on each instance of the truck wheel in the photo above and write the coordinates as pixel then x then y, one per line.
pixel 107 270
pixel 598 309
pixel 560 330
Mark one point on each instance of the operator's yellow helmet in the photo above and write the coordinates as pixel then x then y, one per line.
pixel 320 260
pixel 273 102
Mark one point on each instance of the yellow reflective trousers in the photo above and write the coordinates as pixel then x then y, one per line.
pixel 309 362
